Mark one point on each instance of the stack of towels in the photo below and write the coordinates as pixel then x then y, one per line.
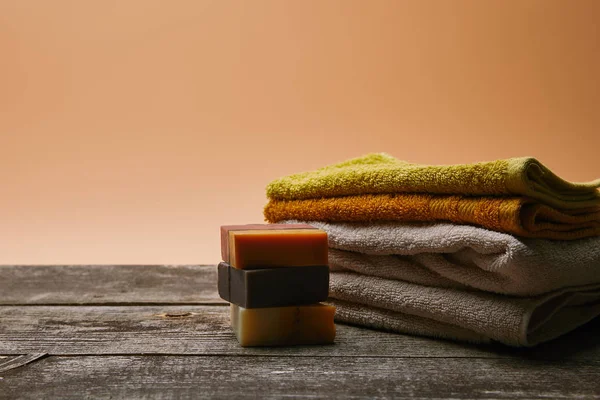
pixel 501 251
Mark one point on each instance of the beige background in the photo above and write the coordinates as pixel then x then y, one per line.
pixel 131 130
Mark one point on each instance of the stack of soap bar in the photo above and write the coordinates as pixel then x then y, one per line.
pixel 274 276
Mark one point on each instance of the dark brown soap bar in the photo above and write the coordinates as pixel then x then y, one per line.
pixel 273 287
pixel 273 245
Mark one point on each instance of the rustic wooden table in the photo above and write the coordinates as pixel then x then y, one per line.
pixel 74 332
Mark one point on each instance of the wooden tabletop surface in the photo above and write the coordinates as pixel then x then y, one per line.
pixel 74 332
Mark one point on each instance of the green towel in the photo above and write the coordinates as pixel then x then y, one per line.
pixel 382 173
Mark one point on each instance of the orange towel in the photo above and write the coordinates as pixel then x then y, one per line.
pixel 516 215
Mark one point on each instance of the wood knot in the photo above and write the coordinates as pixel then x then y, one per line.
pixel 176 315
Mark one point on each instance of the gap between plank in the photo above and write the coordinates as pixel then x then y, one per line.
pixel 115 304
pixel 499 357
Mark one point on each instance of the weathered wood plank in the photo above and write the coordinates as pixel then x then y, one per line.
pixel 108 284
pixel 65 330
pixel 173 377
pixel 17 362
pixel 205 330
pixel 115 330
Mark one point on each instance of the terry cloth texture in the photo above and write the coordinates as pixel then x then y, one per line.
pixel 461 315
pixel 461 256
pixel 461 282
pixel 516 215
pixel 382 173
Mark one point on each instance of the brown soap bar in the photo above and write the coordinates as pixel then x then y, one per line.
pixel 273 287
pixel 273 245
pixel 283 326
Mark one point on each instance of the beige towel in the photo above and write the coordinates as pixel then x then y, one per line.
pixel 462 257
pixel 456 267
pixel 472 316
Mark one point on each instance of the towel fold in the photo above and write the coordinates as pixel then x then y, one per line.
pixel 382 173
pixel 517 215
pixel 461 315
pixel 461 256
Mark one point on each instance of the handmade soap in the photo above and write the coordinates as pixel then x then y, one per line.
pixel 273 245
pixel 278 326
pixel 273 287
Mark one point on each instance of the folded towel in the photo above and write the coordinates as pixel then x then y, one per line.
pixel 461 315
pixel 381 173
pixel 462 256
pixel 517 215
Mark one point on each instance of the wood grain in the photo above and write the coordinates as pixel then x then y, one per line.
pixel 108 284
pixel 172 377
pixel 200 330
pixel 204 330
pixel 17 362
